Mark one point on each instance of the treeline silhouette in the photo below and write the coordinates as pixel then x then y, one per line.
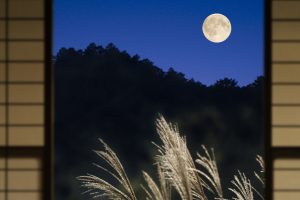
pixel 102 92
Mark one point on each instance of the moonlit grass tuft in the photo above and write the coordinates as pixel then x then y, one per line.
pixel 176 172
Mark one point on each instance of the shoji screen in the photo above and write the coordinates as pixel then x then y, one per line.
pixel 24 157
pixel 285 136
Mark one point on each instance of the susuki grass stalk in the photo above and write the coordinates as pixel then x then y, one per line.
pixel 177 163
pixel 155 192
pixel 98 187
pixel 211 173
pixel 176 171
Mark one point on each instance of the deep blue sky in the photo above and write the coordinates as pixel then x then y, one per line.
pixel 169 33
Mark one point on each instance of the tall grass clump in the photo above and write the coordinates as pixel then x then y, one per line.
pixel 177 172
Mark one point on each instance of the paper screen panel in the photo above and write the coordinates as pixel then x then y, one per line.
pixel 2 72
pixel 286 9
pixel 2 136
pixel 286 94
pixel 2 160
pixel 22 60
pixel 26 115
pixel 287 163
pixel 286 115
pixel 24 162
pixel 2 195
pixel 288 52
pixel 2 29
pixel 26 51
pixel 286 195
pixel 286 179
pixel 2 8
pixel 26 136
pixel 286 30
pixel 18 180
pixel 286 73
pixel 24 196
pixel 26 93
pixel 286 136
pixel 26 8
pixel 2 180
pixel 26 72
pixel 2 93
pixel 2 51
pixel 26 29
pixel 2 115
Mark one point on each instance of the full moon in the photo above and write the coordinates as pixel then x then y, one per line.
pixel 216 28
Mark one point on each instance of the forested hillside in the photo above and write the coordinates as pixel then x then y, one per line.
pixel 102 92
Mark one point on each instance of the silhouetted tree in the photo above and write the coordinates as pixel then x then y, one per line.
pixel 226 83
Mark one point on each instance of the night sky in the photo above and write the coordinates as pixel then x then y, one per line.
pixel 169 33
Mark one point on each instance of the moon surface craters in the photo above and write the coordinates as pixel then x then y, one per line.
pixel 216 28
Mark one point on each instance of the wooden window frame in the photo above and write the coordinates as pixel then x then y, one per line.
pixel 45 152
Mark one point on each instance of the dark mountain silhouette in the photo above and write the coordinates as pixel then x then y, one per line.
pixel 102 92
